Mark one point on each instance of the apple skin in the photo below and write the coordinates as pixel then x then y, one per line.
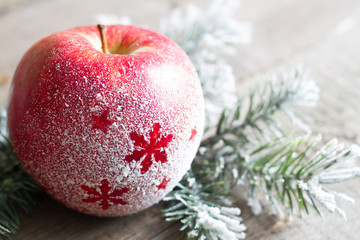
pixel 107 134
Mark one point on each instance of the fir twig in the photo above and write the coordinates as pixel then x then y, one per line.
pixel 207 36
pixel 17 189
pixel 250 147
pixel 290 175
pixel 202 218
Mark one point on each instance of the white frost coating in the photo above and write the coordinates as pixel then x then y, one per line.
pixel 302 185
pixel 255 205
pixel 328 198
pixel 226 227
pixel 207 36
pixel 80 143
pixel 306 89
pixel 231 210
pixel 111 148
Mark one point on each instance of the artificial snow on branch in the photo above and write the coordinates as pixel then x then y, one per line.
pixel 204 219
pixel 207 37
pixel 251 147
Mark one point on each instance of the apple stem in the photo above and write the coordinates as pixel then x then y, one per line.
pixel 104 46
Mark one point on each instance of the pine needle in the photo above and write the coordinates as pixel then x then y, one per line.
pixel 17 189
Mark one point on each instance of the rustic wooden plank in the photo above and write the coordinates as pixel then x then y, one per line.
pixel 322 35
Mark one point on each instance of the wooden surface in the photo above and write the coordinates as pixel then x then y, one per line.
pixel 322 35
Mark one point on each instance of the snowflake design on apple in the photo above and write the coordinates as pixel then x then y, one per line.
pixel 106 131
pixel 163 184
pixel 154 148
pixel 105 196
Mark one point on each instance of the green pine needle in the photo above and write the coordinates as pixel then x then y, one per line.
pixel 250 147
pixel 17 189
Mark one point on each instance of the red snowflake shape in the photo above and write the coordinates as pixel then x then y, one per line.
pixel 163 184
pixel 155 147
pixel 104 197
pixel 103 122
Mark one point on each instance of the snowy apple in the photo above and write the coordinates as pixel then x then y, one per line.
pixel 107 119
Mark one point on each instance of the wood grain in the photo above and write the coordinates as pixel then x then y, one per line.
pixel 322 35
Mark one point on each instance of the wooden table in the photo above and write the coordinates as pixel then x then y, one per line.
pixel 322 35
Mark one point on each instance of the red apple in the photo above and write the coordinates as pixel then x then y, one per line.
pixel 111 133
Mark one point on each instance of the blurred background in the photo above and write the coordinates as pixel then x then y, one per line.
pixel 323 36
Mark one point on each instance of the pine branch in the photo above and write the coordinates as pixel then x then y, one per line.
pixel 250 147
pixel 223 156
pixel 277 164
pixel 17 189
pixel 204 219
pixel 207 36
pixel 290 176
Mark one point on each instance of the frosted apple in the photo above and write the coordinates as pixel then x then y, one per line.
pixel 108 133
